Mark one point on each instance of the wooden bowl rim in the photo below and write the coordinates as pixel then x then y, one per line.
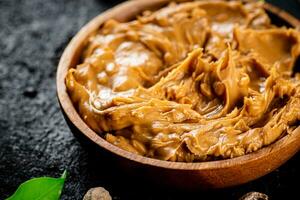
pixel 71 113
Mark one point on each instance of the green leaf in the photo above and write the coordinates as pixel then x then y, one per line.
pixel 43 188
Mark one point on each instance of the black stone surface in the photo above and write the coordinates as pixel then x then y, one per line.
pixel 34 138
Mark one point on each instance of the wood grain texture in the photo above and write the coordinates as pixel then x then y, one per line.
pixel 212 174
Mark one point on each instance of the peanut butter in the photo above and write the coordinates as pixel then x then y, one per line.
pixel 190 82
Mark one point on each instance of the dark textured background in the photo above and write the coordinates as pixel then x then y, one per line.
pixel 34 138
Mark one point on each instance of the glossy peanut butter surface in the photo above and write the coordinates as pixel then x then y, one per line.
pixel 190 82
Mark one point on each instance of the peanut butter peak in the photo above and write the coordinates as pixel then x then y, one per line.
pixel 190 82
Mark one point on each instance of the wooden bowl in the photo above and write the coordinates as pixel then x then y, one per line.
pixel 212 174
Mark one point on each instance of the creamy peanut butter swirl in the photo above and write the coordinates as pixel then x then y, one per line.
pixel 190 82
